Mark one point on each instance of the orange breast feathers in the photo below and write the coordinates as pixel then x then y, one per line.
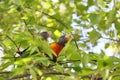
pixel 56 48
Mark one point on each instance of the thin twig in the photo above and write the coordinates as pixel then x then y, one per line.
pixel 13 42
pixel 58 20
pixel 31 33
pixel 75 41
pixel 68 61
pixel 21 52
pixel 110 39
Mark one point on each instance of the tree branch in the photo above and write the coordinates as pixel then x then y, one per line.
pixel 28 74
pixel 55 73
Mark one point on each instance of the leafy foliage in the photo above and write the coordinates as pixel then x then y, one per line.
pixel 86 21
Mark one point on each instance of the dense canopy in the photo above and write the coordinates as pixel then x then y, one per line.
pixel 92 53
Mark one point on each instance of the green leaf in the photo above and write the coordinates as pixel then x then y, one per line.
pixel 22 20
pixel 77 68
pixel 117 26
pixel 94 36
pixel 95 18
pixel 59 68
pixel 43 60
pixel 17 71
pixel 90 2
pixel 1 78
pixel 94 57
pixel 108 1
pixel 101 2
pixel 33 73
pixel 107 45
pixel 111 15
pixel 81 9
pixel 85 60
pixel 86 71
pixel 69 50
pixel 38 71
pixel 22 61
pixel 46 49
pixel 75 56
pixel 5 65
pixel 106 62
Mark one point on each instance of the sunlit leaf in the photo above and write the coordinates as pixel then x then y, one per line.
pixel 38 71
pixel 57 33
pixel 48 78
